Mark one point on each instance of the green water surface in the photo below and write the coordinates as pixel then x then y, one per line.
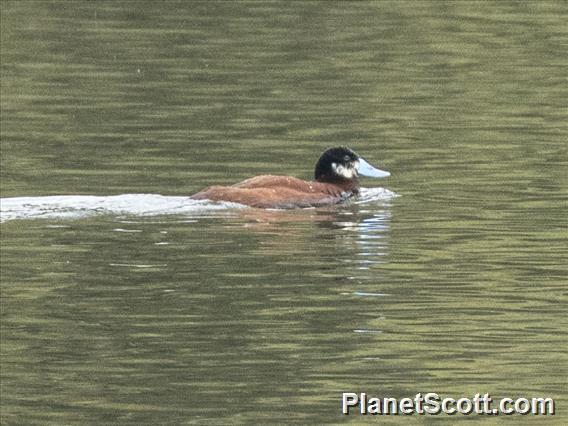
pixel 458 286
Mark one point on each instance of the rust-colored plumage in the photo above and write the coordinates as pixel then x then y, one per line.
pixel 268 191
pixel 336 180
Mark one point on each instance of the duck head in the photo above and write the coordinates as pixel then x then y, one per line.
pixel 342 164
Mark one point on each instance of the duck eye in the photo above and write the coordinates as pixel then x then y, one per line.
pixel 346 158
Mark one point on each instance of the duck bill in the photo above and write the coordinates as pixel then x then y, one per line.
pixel 365 169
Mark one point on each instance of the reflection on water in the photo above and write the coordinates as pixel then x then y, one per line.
pixel 141 310
pixel 368 230
pixel 246 308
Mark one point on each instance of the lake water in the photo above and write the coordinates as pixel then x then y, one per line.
pixel 143 309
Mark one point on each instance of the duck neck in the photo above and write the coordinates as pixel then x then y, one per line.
pixel 347 185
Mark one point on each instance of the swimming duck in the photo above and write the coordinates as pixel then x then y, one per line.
pixel 336 179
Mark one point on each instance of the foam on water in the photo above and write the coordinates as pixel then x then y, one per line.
pixel 79 206
pixel 370 195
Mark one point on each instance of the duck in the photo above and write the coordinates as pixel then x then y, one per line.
pixel 336 179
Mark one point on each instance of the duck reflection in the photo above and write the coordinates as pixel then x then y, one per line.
pixel 354 234
pixel 366 232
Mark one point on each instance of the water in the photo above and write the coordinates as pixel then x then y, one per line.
pixel 140 307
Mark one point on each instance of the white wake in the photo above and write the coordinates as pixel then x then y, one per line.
pixel 370 195
pixel 80 206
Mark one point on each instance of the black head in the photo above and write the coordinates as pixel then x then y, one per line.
pixel 343 165
pixel 337 164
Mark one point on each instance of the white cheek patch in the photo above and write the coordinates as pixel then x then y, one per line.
pixel 345 172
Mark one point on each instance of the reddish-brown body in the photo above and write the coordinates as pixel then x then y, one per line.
pixel 269 191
